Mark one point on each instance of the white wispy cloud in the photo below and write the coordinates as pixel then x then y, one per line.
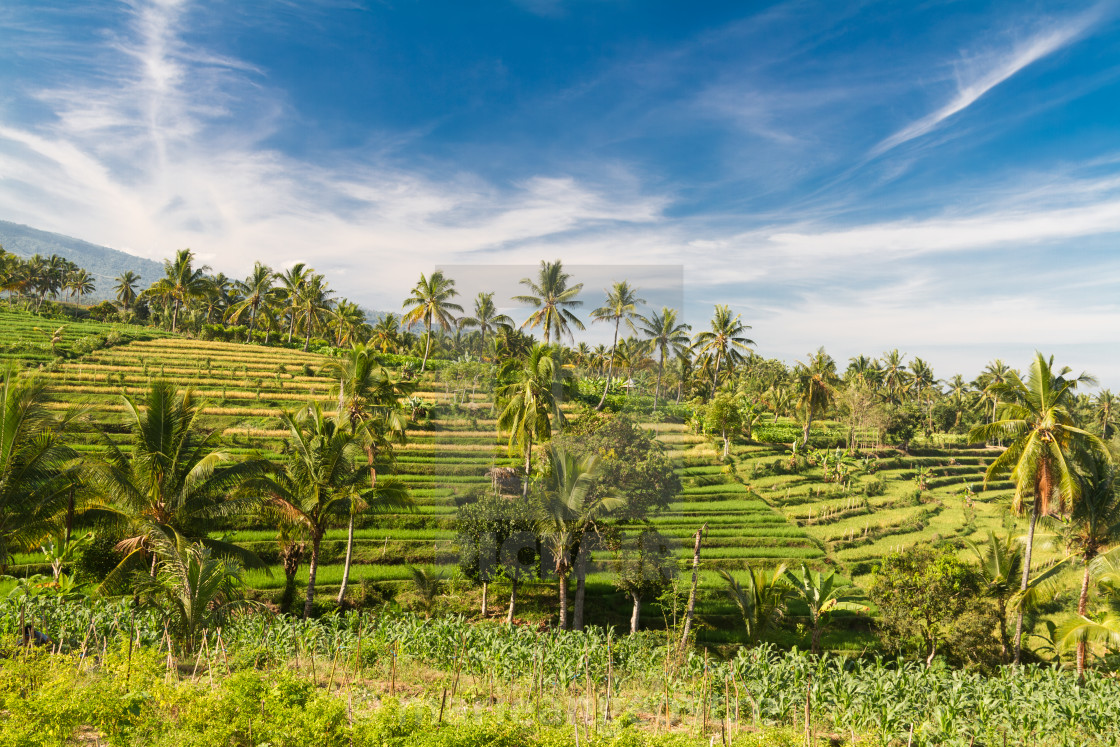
pixel 978 76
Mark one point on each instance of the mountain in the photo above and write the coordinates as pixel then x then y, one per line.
pixel 103 263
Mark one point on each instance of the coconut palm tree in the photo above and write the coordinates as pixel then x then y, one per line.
pixel 554 300
pixel 182 282
pixel 256 291
pixel 1034 417
pixel 314 301
pixel 349 323
pixel 959 391
pixel 370 399
pixel 385 335
pixel 1082 629
pixel 569 509
pixel 1000 564
pixel 37 471
pixel 895 378
pixel 529 402
pixel 669 338
pixel 816 383
pixel 621 306
pixel 761 598
pixel 318 482
pixel 430 303
pixel 291 283
pixel 724 341
pixel 81 283
pixel 487 319
pixel 1106 407
pixel 170 478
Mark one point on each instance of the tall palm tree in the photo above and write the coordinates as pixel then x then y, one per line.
pixel 291 283
pixel 220 295
pixel 554 300
pixel 621 306
pixel 349 322
pixel 37 472
pixel 724 341
pixel 182 282
pixel 370 399
pixel 1034 416
pixel 171 478
pixel 430 303
pixel 386 333
pixel 896 379
pixel 318 482
pixel 81 283
pixel 256 291
pixel 1082 629
pixel 959 390
pixel 529 402
pixel 816 383
pixel 487 318
pixel 568 509
pixel 314 300
pixel 1106 407
pixel 669 338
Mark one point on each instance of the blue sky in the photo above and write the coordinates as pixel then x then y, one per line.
pixel 940 177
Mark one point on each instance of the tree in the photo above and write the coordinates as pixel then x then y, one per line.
pixel 646 565
pixel 370 399
pixel 1034 416
pixel 895 378
pixel 822 594
pixel 1000 565
pixel 1104 627
pixel 529 402
pixel 724 416
pixel 170 479
pixel 430 303
pixel 386 333
pixel 932 598
pixel 621 305
pixel 313 301
pixel 553 300
pixel 760 599
pixel 81 283
pixel 669 338
pixel 497 539
pixel 487 319
pixel 37 473
pixel 256 291
pixel 724 341
pixel 182 282
pixel 292 281
pixel 317 483
pixel 568 513
pixel 816 383
pixel 1106 407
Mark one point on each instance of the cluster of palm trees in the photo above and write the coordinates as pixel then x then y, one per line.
pixel 38 277
pixel 171 483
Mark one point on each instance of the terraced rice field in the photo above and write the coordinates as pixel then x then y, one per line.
pixel 30 340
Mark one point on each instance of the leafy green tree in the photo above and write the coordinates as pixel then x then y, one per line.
pixel 529 402
pixel 430 303
pixel 37 471
pixel 760 598
pixel 182 282
pixel 644 564
pixel 497 539
pixel 723 415
pixel 256 291
pixel 932 598
pixel 554 300
pixel 1034 417
pixel 724 341
pixel 621 306
pixel 816 385
pixel 386 334
pixel 823 594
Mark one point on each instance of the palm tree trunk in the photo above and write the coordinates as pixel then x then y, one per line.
pixel 512 600
pixel 528 465
pixel 563 601
pixel 175 316
pixel 1025 580
pixel 485 590
pixel 312 569
pixel 610 370
pixel 581 589
pixel 307 339
pixel 427 349
pixel 252 323
pixel 657 388
pixel 349 556
pixel 1082 609
pixel 637 597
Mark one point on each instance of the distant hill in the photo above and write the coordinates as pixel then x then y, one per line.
pixel 104 263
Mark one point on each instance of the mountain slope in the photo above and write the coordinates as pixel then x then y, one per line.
pixel 104 263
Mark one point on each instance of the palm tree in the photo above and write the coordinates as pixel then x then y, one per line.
pixel 1034 416
pixel 621 305
pixel 959 389
pixel 1105 407
pixel 816 381
pixel 896 379
pixel 291 283
pixel 349 322
pixel 314 302
pixel 318 482
pixel 568 512
pixel 182 281
pixel 386 333
pixel 724 341
pixel 486 318
pixel 1094 527
pixel 1001 563
pixel 529 402
pixel 1082 629
pixel 822 594
pixel 256 290
pixel 370 400
pixel 761 598
pixel 81 283
pixel 170 479
pixel 37 474
pixel 553 300
pixel 220 295
pixel 430 303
